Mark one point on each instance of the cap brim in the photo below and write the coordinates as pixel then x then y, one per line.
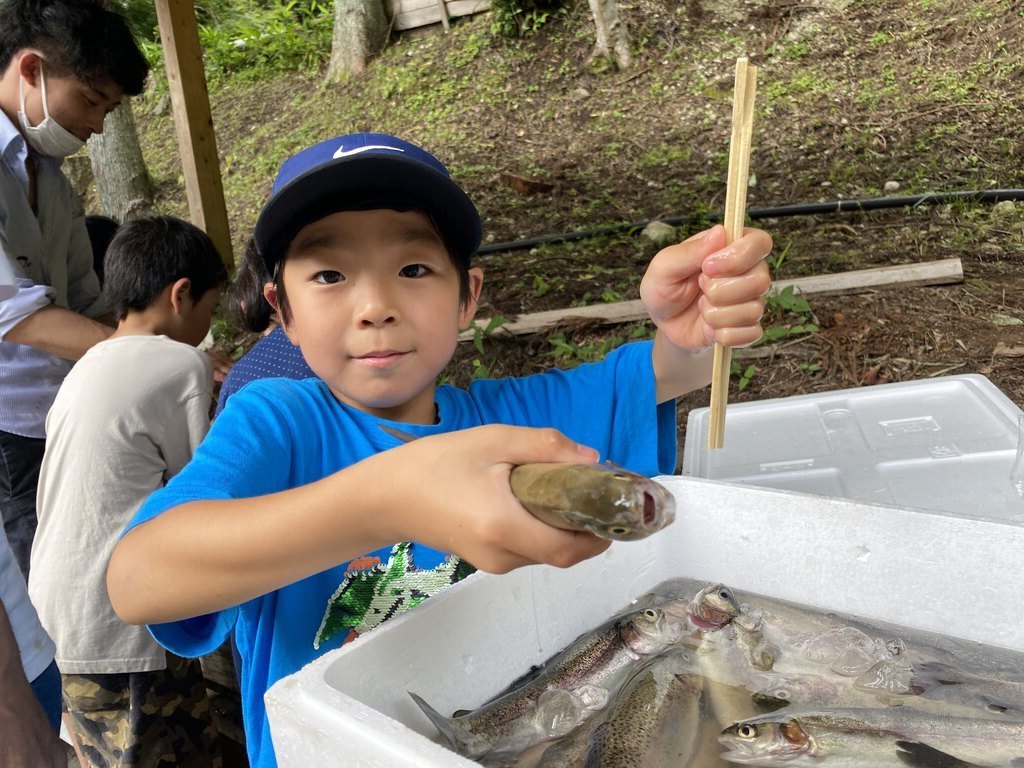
pixel 367 181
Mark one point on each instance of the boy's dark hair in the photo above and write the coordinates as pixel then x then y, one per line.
pixel 147 255
pixel 77 37
pixel 247 302
pixel 101 231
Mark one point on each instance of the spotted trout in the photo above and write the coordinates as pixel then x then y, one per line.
pixel 654 722
pixel 603 499
pixel 573 685
pixel 874 738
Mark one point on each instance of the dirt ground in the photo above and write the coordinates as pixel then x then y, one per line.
pixel 857 101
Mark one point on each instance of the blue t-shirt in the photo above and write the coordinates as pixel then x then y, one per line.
pixel 273 356
pixel 279 434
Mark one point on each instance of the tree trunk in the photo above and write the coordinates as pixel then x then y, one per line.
pixel 122 181
pixel 361 30
pixel 612 36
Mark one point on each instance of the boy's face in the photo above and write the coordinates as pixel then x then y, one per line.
pixel 196 318
pixel 373 299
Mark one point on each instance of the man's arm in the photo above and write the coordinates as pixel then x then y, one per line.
pixel 58 331
pixel 28 739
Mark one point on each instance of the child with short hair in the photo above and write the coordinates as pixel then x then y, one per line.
pixel 126 419
pixel 300 523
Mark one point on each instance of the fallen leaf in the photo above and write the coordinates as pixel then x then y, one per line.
pixel 1002 350
pixel 1000 319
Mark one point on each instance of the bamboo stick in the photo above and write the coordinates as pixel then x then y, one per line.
pixel 735 213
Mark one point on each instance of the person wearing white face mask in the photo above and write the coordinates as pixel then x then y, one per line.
pixel 64 64
pixel 49 137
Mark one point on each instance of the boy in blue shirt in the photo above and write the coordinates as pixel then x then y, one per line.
pixel 299 522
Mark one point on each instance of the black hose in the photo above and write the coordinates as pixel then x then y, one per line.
pixel 800 209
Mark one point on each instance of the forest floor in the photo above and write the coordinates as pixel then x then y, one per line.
pixel 856 101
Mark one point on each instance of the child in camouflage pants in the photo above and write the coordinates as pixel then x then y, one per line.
pixel 127 417
pixel 144 719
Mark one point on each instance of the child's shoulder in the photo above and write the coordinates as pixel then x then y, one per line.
pixel 286 394
pixel 141 359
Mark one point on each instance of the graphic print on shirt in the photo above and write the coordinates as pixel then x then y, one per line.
pixel 372 595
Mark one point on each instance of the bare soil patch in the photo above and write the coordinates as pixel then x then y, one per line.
pixel 857 100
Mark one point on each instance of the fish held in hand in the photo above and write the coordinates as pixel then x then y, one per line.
pixel 604 499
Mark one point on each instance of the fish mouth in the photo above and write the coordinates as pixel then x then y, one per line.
pixel 659 507
pixel 739 753
pixel 650 510
pixel 701 623
pixel 708 618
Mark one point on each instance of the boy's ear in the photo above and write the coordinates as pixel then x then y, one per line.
pixel 468 310
pixel 180 294
pixel 270 294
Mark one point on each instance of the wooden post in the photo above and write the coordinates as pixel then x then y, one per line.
pixel 444 14
pixel 193 122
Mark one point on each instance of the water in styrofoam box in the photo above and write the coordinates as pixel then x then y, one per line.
pixel 942 573
pixel 946 444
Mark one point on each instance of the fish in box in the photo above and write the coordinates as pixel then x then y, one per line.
pixel 936 572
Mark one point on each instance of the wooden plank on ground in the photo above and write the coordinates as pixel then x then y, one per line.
pixel 858 281
pixel 942 272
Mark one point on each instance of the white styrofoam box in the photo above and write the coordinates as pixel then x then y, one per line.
pixel 944 573
pixel 946 444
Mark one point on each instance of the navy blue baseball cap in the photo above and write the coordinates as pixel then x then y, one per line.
pixel 364 171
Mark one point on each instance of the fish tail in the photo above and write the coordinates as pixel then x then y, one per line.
pixel 443 724
pixel 919 755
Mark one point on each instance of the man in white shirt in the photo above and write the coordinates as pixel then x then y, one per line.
pixel 64 64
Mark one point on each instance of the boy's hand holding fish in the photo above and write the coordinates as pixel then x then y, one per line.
pixel 699 292
pixel 481 520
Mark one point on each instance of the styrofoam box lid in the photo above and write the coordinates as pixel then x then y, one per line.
pixel 943 573
pixel 946 444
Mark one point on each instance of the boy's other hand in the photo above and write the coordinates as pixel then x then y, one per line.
pixel 701 291
pixel 221 365
pixel 466 506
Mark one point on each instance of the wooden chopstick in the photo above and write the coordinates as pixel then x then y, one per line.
pixel 735 214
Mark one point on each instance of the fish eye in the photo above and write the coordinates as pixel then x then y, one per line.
pixel 650 613
pixel 783 694
pixel 725 594
pixel 747 731
pixel 619 530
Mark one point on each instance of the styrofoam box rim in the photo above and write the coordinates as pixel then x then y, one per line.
pixel 899 474
pixel 697 418
pixel 949 574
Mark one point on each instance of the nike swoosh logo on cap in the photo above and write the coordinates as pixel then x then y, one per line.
pixel 342 152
